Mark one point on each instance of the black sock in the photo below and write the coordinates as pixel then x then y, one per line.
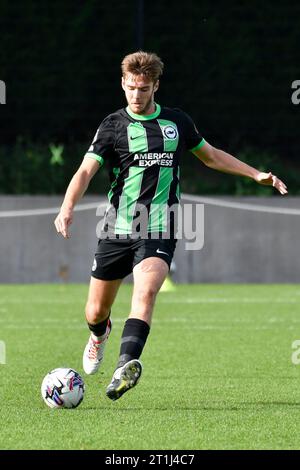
pixel 133 340
pixel 100 328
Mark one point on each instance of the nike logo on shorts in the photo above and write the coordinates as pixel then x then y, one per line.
pixel 162 252
pixel 94 265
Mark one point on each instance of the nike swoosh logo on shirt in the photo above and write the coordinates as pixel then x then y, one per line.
pixel 162 252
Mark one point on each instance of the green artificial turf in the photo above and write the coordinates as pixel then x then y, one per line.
pixel 217 373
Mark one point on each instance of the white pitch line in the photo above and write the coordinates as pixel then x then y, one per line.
pixel 50 210
pixel 195 326
pixel 241 205
pixel 200 199
pixel 231 301
pixel 244 300
pixel 187 319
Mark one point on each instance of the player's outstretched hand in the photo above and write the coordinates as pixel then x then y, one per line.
pixel 271 180
pixel 63 222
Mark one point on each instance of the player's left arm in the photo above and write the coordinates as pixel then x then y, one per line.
pixel 219 160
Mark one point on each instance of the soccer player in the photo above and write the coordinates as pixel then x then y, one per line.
pixel 142 145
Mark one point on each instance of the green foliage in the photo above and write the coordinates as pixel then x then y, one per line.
pixel 225 66
pixel 198 179
pixel 266 162
pixel 230 66
pixel 34 168
pixel 56 152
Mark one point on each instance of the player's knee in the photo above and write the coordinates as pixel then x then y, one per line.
pixel 146 296
pixel 96 312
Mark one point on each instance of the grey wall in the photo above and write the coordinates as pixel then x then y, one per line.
pixel 239 246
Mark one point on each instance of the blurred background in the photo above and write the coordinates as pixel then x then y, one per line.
pixel 230 65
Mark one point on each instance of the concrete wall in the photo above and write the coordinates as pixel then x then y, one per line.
pixel 239 246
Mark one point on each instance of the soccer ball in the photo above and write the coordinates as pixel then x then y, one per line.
pixel 62 388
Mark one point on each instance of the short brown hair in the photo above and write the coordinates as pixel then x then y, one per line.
pixel 143 63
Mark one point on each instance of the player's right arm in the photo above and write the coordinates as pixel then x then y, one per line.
pixel 76 189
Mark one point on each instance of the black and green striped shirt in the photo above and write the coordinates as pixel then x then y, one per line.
pixel 143 153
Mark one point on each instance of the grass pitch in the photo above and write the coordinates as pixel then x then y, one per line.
pixel 218 372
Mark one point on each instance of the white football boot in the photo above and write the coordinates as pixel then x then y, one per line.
pixel 94 350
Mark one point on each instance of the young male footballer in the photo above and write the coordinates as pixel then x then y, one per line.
pixel 142 145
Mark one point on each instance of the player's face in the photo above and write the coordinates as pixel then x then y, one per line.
pixel 139 92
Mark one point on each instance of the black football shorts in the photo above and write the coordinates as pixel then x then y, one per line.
pixel 116 258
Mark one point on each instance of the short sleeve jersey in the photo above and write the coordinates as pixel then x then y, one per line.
pixel 143 156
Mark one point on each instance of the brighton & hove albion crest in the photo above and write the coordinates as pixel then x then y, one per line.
pixel 170 132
